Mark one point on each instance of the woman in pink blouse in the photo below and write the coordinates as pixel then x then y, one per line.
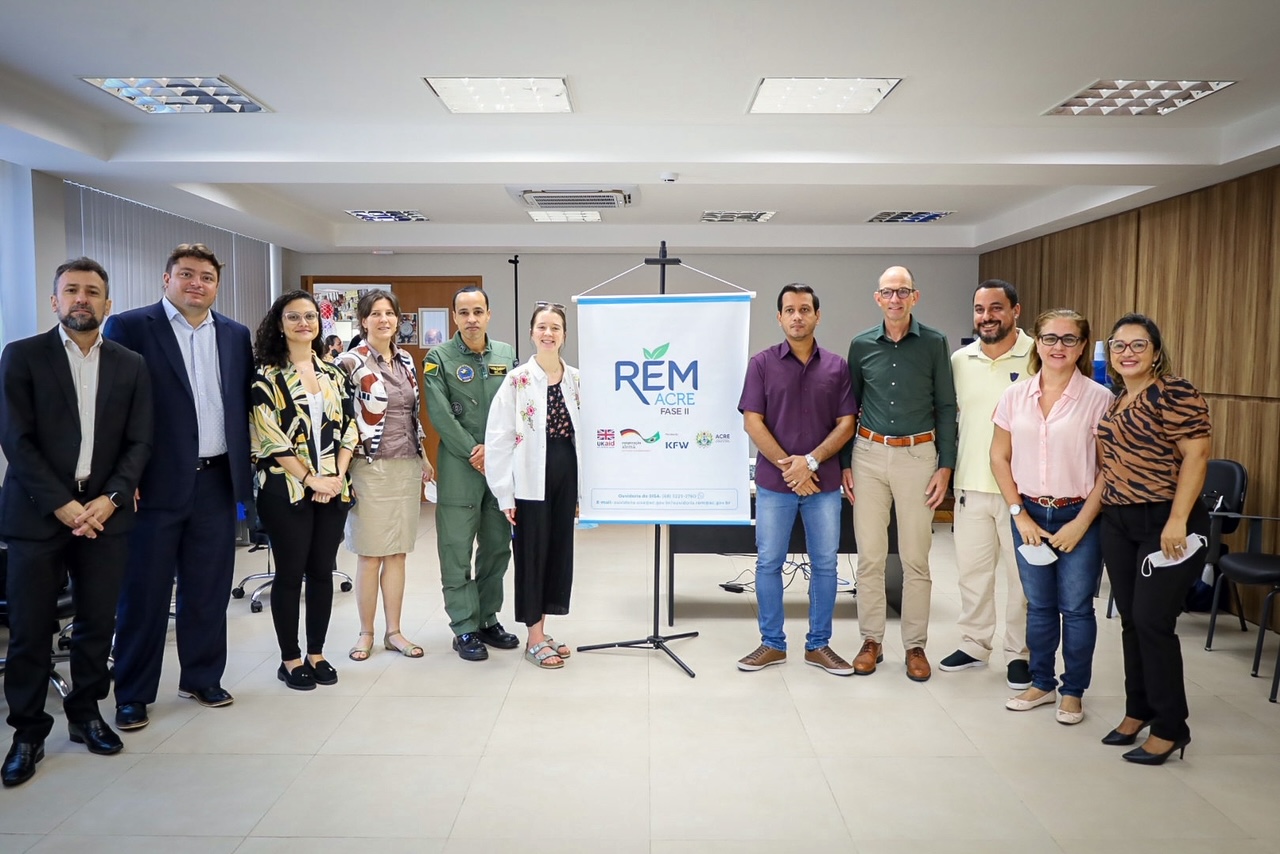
pixel 1044 457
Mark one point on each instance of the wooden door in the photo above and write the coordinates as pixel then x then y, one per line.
pixel 434 294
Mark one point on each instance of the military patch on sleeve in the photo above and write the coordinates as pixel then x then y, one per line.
pixel 456 407
pixel 497 370
pixel 429 368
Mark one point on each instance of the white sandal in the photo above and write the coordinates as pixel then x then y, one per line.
pixel 539 655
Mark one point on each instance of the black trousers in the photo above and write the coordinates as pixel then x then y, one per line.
pixel 304 541
pixel 543 544
pixel 37 571
pixel 194 545
pixel 1149 607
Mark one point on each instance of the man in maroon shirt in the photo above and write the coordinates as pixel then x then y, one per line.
pixel 798 408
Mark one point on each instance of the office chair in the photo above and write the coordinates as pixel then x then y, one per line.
pixel 258 540
pixel 62 628
pixel 1252 566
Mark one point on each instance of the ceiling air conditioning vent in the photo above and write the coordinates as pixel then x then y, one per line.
pixel 573 198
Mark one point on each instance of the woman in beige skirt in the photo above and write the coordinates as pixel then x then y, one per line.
pixel 388 472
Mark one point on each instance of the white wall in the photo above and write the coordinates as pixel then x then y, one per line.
pixel 843 283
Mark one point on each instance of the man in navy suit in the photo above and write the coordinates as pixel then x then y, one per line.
pixel 75 424
pixel 201 365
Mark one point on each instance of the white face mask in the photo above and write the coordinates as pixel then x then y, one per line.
pixel 1041 554
pixel 1195 542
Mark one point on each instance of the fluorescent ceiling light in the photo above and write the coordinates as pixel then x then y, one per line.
pixel 502 94
pixel 910 216
pixel 821 94
pixel 564 216
pixel 737 216
pixel 1137 97
pixel 389 216
pixel 178 94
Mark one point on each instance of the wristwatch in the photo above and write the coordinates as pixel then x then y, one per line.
pixel 114 498
pixel 813 463
pixel 1015 509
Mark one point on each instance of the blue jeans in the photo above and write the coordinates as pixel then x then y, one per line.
pixel 775 517
pixel 1060 603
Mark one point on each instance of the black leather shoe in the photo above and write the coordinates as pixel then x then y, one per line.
pixel 301 678
pixel 497 636
pixel 470 647
pixel 96 736
pixel 323 672
pixel 20 762
pixel 132 716
pixel 1142 757
pixel 212 697
pixel 1115 738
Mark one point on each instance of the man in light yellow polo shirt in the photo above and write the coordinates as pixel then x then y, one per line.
pixel 983 536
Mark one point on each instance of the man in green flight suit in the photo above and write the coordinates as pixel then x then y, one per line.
pixel 461 377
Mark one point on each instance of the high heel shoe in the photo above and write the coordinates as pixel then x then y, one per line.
pixel 1142 757
pixel 1116 738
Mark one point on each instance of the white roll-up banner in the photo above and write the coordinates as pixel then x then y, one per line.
pixel 662 439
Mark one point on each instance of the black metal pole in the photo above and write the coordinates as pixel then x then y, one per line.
pixel 514 261
pixel 655 640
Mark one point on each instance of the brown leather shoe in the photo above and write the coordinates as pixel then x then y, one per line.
pixel 761 657
pixel 827 659
pixel 868 657
pixel 917 665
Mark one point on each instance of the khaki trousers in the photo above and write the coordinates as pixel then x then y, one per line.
pixel 885 479
pixel 984 549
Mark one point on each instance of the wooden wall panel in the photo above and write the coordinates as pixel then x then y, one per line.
pixel 1206 267
pixel 1021 265
pixel 1092 268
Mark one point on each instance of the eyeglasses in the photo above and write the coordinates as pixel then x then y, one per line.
pixel 294 317
pixel 902 293
pixel 1138 345
pixel 1049 339
pixel 557 305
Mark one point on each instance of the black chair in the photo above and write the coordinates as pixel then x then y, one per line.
pixel 258 540
pixel 1225 486
pixel 62 628
pixel 1252 566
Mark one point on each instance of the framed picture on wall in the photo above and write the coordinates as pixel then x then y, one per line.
pixel 338 305
pixel 433 326
pixel 407 333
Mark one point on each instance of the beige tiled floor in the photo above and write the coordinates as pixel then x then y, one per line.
pixel 620 752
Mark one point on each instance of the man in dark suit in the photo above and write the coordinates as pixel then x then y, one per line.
pixel 201 365
pixel 75 424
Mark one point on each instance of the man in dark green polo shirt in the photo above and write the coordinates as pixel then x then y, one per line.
pixel 461 376
pixel 900 458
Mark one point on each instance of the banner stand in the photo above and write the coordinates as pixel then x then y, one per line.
pixel 656 640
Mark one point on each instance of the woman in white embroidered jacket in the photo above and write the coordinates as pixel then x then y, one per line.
pixel 388 472
pixel 531 464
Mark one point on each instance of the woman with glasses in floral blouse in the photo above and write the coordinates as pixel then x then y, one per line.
pixel 302 438
pixel 531 465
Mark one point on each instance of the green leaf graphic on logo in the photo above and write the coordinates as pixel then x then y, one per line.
pixel 655 437
pixel 658 353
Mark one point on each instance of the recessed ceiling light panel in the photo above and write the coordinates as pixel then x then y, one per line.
pixel 852 95
pixel 389 216
pixel 502 94
pixel 564 216
pixel 737 216
pixel 910 216
pixel 1137 97
pixel 178 94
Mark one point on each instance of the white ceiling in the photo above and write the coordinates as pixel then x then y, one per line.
pixel 657 86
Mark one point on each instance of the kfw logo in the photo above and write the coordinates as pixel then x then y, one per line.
pixel 656 380
pixel 676 444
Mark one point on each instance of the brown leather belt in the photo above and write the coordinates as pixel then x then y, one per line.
pixel 1055 503
pixel 895 441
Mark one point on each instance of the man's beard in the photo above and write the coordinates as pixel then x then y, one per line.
pixel 79 323
pixel 1000 334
